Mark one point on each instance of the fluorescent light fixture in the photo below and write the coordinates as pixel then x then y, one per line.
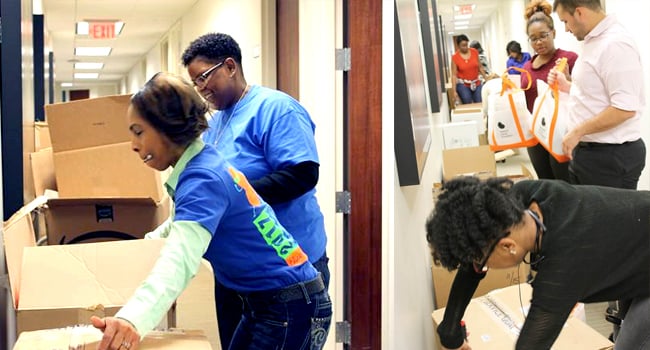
pixel 88 65
pixel 461 27
pixel 86 75
pixel 118 27
pixel 462 17
pixel 461 23
pixel 66 84
pixel 82 28
pixel 92 51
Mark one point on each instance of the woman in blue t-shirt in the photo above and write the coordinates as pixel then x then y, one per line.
pixel 219 216
pixel 516 58
pixel 268 136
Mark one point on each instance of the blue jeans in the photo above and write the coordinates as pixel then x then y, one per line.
pixel 293 318
pixel 230 308
pixel 467 95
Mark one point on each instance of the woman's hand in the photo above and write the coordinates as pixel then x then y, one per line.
pixel 119 334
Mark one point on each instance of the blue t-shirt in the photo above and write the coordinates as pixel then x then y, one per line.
pixel 250 250
pixel 268 130
pixel 525 57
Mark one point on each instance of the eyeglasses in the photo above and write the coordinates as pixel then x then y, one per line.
pixel 479 265
pixel 202 79
pixel 543 37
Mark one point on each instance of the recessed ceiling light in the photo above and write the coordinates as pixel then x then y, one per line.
pixel 88 65
pixel 81 28
pixel 461 23
pixel 462 17
pixel 92 51
pixel 86 75
pixel 66 84
pixel 460 27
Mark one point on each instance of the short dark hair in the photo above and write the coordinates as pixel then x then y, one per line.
pixel 461 38
pixel 212 47
pixel 470 215
pixel 171 105
pixel 513 46
pixel 570 5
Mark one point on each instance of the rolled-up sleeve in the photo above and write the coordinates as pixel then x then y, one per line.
pixel 178 263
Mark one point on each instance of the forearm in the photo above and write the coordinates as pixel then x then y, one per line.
pixel 609 118
pixel 178 262
pixel 462 289
pixel 161 231
pixel 540 329
pixel 287 184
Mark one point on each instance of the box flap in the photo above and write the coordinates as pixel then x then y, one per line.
pixel 88 123
pixel 43 170
pixel 18 234
pixel 468 161
pixel 89 336
pixel 85 274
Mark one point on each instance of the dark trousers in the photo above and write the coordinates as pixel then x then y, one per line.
pixel 612 165
pixel 230 305
pixel 546 166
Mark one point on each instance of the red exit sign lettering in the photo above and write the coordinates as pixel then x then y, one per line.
pixel 101 30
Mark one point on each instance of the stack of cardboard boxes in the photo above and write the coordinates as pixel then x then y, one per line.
pixel 106 198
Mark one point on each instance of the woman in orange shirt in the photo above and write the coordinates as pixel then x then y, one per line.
pixel 465 70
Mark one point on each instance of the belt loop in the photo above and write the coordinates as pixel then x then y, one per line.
pixel 305 293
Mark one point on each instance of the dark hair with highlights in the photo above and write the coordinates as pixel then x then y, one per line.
pixel 570 5
pixel 513 46
pixel 469 215
pixel 539 11
pixel 213 47
pixel 461 38
pixel 172 106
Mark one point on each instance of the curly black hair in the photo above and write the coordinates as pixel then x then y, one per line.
pixel 171 105
pixel 213 47
pixel 469 215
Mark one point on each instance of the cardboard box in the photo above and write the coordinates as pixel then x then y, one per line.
pixel 92 151
pixel 495 320
pixel 463 114
pixel 470 161
pixel 495 279
pixel 459 135
pixel 70 221
pixel 59 286
pixel 87 337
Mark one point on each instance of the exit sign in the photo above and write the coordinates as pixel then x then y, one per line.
pixel 101 30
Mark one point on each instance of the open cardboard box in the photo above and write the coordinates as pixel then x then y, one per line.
pixel 70 220
pixel 88 338
pixel 59 286
pixel 495 320
pixel 469 161
pixel 495 279
pixel 92 151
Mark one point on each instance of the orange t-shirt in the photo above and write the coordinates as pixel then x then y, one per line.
pixel 467 69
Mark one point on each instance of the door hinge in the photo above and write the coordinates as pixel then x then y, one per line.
pixel 343 199
pixel 343 59
pixel 343 332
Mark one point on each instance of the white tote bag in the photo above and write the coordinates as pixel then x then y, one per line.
pixel 550 114
pixel 509 121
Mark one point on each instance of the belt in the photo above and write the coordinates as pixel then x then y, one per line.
pixel 598 144
pixel 293 292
